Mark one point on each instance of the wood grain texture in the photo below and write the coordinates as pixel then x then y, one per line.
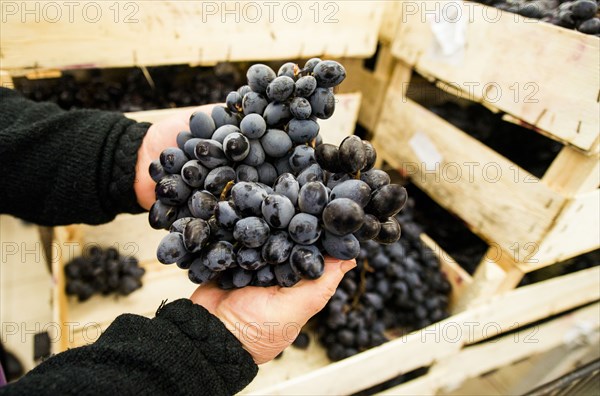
pixel 556 69
pixel 154 33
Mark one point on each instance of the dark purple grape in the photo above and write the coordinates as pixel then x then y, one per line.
pixel 267 174
pixel 329 73
pixel 248 198
pixel 302 341
pixel 278 247
pixel 172 160
pixel 161 215
pixel 253 126
pixel 252 232
pixel 202 204
pixel 302 157
pixel 591 26
pixel 305 86
pixel 156 171
pixel 183 137
pixel 172 190
pixel 218 256
pixel 171 248
pixel 277 114
pixel 336 179
pixel 218 233
pixel 243 90
pixel 265 277
pixel 259 77
pixel 328 157
pixel 285 276
pixel 223 116
pixel 236 147
pixel 304 229
pixel 356 190
pixel 256 155
pixel 302 131
pixel 387 201
pixel 584 9
pixel 246 173
pixel 195 235
pixel 289 69
pixel 286 184
pixel 179 224
pixel 199 273
pixel 375 178
pixel 241 277
pixel 371 155
pixel 202 125
pixel 218 178
pixel 313 173
pixel 343 216
pixel 369 230
pixel 190 147
pixel 389 233
pixel 226 214
pixel 210 153
pixel 222 132
pixel 250 259
pixel 281 88
pixel 277 210
pixel 307 261
pixel 313 198
pixel 344 247
pixel 254 103
pixel 322 102
pixel 194 174
pixel 352 154
pixel 234 101
pixel 276 143
pixel 310 64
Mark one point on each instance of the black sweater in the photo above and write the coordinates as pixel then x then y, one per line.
pixel 62 167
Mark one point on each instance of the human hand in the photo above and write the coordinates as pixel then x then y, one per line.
pixel 161 135
pixel 267 320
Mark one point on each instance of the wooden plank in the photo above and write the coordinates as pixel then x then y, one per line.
pixel 434 343
pixel 501 202
pixel 526 81
pixel 575 231
pixel 6 80
pixel 471 362
pixel 334 129
pixel 178 32
pixel 573 172
pixel 392 14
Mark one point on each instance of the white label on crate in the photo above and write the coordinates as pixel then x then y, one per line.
pixel 426 151
pixel 449 26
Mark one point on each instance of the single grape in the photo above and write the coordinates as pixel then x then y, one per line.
pixel 253 126
pixel 584 9
pixel 241 277
pixel 276 143
pixel 387 201
pixel 277 210
pixel 344 247
pixel 302 131
pixel 267 174
pixel 310 64
pixel 278 247
pixel 286 184
pixel 162 216
pixel 223 116
pixel 183 137
pixel 219 233
pixel 283 164
pixel 227 214
pixel 307 261
pixel 302 341
pixel 375 178
pixel 265 277
pixel 186 261
pixel 300 108
pixel 195 235
pixel 190 147
pixel 322 102
pixel 352 154
pixel 202 125
pixel 313 173
pixel 304 229
pixel 289 69
pixel 591 26
pixel 171 248
pixel 184 211
pixel 172 160
pixel 356 190
pixel 225 280
pixel 369 230
pixel 243 90
pixel 336 179
pixel 202 204
pixel 218 178
pixel 250 259
pixel 218 256
pixel 252 232
pixel 285 276
pixel 390 231
pixel 199 273
pixel 371 155
pixel 246 173
pixel 210 153
pixel 236 146
pixel 248 198
pixel 277 114
pixel 179 224
pixel 256 155
pixel 194 174
pixel 328 157
pixel 302 157
pixel 329 73
pixel 156 171
pixel 281 88
pixel 172 190
pixel 343 216
pixel 259 77
pixel 305 86
pixel 234 101
pixel 254 103
pixel 222 132
pixel 313 198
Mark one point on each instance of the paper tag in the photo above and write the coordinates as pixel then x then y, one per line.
pixel 426 151
pixel 449 28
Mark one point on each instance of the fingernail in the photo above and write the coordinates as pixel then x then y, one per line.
pixel 348 265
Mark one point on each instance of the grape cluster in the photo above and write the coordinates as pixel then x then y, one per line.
pixel 251 195
pixel 102 271
pixel 581 15
pixel 396 286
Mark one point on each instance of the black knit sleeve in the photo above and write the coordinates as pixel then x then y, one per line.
pixel 62 167
pixel 184 350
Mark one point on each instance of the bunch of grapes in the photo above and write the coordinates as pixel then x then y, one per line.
pixel 581 15
pixel 251 196
pixel 396 286
pixel 102 271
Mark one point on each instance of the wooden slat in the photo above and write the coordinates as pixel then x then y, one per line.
pixel 500 201
pixel 573 172
pixel 177 32
pixel 559 97
pixel 392 14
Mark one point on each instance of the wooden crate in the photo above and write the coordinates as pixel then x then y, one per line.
pixel 541 75
pixel 529 222
pixel 132 235
pixel 152 33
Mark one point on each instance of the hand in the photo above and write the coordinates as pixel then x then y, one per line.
pixel 267 320
pixel 161 135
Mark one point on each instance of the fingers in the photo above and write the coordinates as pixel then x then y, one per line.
pixel 312 295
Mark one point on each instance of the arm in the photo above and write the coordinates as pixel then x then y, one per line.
pixel 184 350
pixel 62 167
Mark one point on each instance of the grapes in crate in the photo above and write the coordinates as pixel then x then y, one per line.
pixel 252 197
pixel 102 271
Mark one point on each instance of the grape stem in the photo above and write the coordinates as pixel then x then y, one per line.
pixel 357 176
pixel 363 283
pixel 313 143
pixel 226 189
